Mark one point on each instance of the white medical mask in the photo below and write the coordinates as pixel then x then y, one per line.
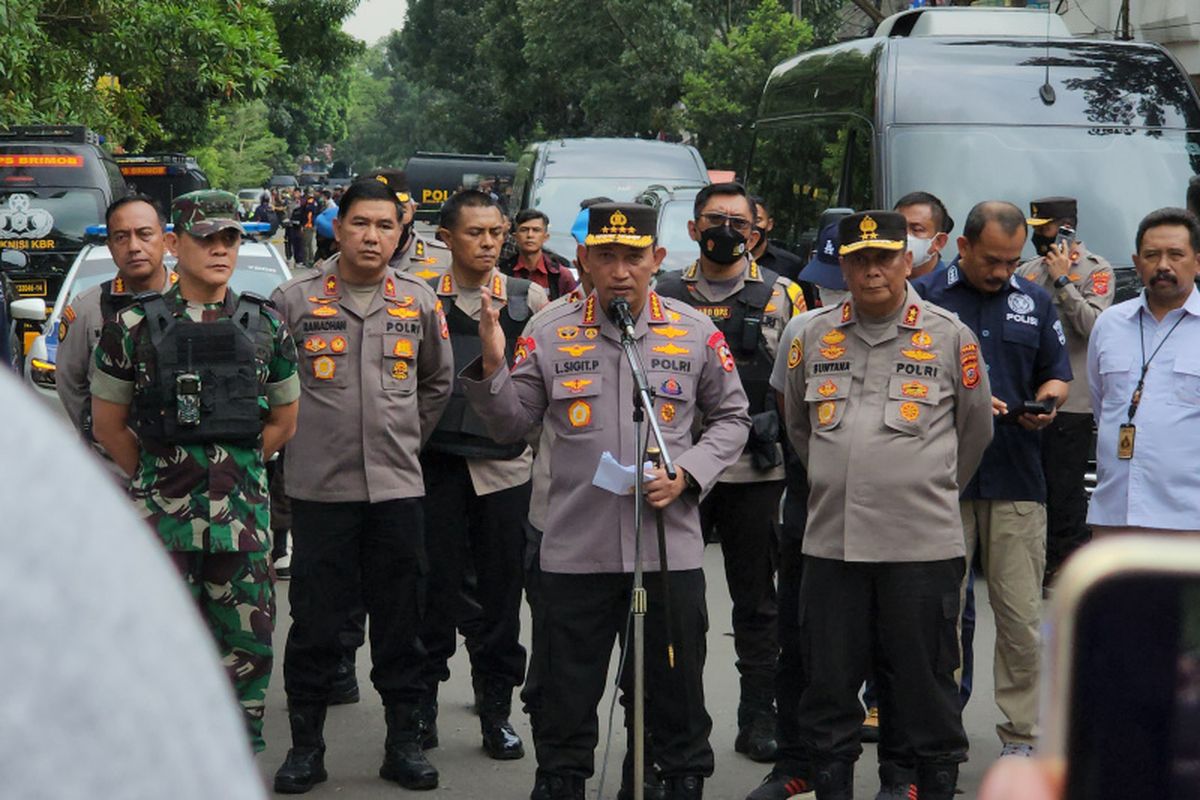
pixel 920 249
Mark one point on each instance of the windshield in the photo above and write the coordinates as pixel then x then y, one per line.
pixel 47 218
pixel 559 199
pixel 673 222
pixel 1117 175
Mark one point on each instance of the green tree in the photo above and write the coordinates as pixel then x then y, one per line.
pixel 243 152
pixel 721 94
pixel 148 73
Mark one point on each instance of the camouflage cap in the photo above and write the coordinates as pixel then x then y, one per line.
pixel 205 212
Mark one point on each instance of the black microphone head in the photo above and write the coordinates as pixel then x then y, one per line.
pixel 619 309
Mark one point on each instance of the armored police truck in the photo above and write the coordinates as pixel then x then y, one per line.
pixel 433 177
pixel 55 182
pixel 974 104
pixel 163 176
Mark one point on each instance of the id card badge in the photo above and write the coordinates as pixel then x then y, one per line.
pixel 1125 440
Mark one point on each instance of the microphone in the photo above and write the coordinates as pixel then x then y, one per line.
pixel 622 316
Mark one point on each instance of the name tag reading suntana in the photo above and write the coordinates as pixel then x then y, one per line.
pixel 1125 439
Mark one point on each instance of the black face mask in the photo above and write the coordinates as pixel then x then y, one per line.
pixel 722 244
pixel 1042 244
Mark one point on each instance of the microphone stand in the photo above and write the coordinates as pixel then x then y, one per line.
pixel 642 400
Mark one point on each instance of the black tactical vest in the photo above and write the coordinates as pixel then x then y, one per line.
pixel 460 431
pixel 224 354
pixel 740 318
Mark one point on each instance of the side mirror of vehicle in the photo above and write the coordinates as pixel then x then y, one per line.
pixel 13 260
pixel 28 308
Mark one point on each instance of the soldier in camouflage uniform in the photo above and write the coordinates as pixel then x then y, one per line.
pixel 200 480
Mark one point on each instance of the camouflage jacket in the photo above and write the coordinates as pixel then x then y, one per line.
pixel 197 497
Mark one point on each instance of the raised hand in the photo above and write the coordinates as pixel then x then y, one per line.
pixel 491 335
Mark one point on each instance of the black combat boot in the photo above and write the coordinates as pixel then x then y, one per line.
pixel 345 682
pixel 685 787
pixel 556 787
pixel 655 788
pixel 499 739
pixel 936 781
pixel 896 782
pixel 428 708
pixel 403 759
pixel 833 780
pixel 304 766
pixel 756 719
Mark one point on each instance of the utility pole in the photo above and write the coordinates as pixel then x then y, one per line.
pixel 874 13
pixel 1126 35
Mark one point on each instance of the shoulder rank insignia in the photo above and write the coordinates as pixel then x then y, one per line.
pixel 589 310
pixel 118 285
pixel 331 286
pixel 446 285
pixel 846 312
pixel 389 288
pixel 911 315
pixel 656 309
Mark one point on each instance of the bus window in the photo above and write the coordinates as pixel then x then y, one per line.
pixel 803 166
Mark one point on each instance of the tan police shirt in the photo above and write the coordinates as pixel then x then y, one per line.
pixel 491 475
pixel 891 420
pixel 786 299
pixel 1079 303
pixel 373 386
pixel 571 375
pixel 423 257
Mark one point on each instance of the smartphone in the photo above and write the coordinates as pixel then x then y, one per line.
pixel 1029 407
pixel 1065 234
pixel 1121 683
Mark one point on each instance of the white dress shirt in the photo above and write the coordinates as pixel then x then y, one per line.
pixel 1160 486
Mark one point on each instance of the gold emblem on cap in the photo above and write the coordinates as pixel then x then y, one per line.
pixel 617 224
pixel 867 228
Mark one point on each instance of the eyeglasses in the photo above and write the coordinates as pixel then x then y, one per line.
pixel 739 224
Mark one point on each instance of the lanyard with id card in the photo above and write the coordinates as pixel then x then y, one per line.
pixel 1127 434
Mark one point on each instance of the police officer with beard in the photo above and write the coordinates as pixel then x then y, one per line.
pixel 750 306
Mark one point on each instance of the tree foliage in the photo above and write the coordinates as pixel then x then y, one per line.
pixel 243 151
pixel 147 74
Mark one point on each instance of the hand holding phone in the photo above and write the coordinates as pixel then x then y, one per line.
pixel 1035 407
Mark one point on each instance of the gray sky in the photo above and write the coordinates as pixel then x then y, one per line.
pixel 375 19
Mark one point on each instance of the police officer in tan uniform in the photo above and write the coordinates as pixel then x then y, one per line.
pixel 136 227
pixel 416 254
pixel 889 407
pixel 1082 285
pixel 571 375
pixel 750 306
pixel 375 373
pixel 477 489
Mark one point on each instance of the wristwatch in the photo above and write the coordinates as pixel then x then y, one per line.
pixel 689 481
pixel 1061 281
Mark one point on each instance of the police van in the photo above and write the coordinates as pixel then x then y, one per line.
pixel 163 176
pixel 975 104
pixel 55 182
pixel 433 177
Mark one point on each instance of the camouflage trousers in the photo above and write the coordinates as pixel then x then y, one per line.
pixel 237 601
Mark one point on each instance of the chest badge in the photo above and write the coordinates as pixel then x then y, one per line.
pixel 591 333
pixel 579 414
pixel 325 311
pixel 403 313
pixel 922 340
pixel 324 368
pixel 315 344
pixel 919 355
pixel 671 349
pixel 338 344
pixel 833 352
pixel 833 336
pixel 667 412
pixel 403 348
pixel 1021 303
pixel 576 386
pixel 827 389
pixel 910 411
pixel 915 389
pixel 671 388
pixel 668 331
pixel 568 332
pixel 576 350
pixel 825 412
pixel 400 370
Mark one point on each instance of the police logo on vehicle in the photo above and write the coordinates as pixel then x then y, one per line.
pixel 1021 303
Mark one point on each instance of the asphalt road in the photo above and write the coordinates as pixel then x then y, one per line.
pixel 354 734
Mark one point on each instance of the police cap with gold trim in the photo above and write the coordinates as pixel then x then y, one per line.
pixel 394 179
pixel 885 230
pixel 1049 209
pixel 631 224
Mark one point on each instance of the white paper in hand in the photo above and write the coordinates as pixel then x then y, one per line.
pixel 613 476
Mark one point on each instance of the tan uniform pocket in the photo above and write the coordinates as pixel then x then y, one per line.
pixel 827 398
pixel 910 404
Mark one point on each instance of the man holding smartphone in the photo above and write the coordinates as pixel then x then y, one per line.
pixel 1082 286
pixel 1024 349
